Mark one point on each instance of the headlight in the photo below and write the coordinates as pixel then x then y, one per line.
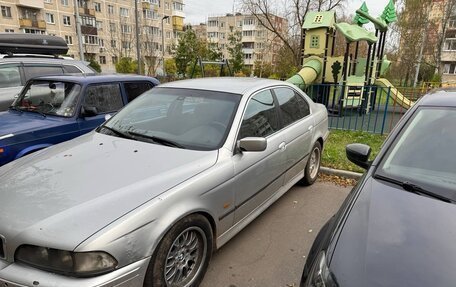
pixel 79 264
pixel 320 275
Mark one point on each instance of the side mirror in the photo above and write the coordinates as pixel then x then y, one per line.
pixel 89 111
pixel 359 154
pixel 252 144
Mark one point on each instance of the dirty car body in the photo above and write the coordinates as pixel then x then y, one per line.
pixel 208 154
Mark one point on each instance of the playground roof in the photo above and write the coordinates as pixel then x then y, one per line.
pixel 324 19
pixel 355 33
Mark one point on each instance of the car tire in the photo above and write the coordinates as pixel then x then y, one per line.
pixel 313 166
pixel 182 256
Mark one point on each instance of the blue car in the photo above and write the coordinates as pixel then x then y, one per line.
pixel 53 109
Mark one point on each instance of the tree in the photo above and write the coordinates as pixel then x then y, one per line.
pixel 170 66
pixel 126 66
pixel 285 67
pixel 95 65
pixel 187 51
pixel 294 11
pixel 235 51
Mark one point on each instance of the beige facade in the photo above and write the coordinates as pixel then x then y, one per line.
pixel 107 26
pixel 259 44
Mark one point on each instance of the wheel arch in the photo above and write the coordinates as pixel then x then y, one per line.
pixel 31 149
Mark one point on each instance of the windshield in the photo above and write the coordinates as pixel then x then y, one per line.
pixel 50 98
pixel 423 153
pixel 192 119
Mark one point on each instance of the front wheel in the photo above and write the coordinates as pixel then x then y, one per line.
pixel 313 165
pixel 182 257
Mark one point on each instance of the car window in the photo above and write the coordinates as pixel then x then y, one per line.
pixel 423 152
pixel 135 89
pixel 292 106
pixel 69 69
pixel 260 118
pixel 105 98
pixel 10 76
pixel 49 97
pixel 36 70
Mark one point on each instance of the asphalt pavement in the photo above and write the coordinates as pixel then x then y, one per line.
pixel 271 251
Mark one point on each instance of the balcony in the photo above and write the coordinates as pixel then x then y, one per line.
pixel 31 3
pixel 178 23
pixel 89 30
pixel 87 11
pixel 178 13
pixel 29 23
pixel 449 56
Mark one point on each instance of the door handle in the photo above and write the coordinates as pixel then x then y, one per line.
pixel 310 128
pixel 282 146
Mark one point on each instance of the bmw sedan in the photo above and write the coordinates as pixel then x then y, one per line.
pixel 397 227
pixel 147 197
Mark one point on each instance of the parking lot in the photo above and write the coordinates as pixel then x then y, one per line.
pixel 271 250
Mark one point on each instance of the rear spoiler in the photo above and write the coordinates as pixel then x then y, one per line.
pixel 21 43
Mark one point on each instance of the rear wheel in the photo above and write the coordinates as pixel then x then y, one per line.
pixel 182 257
pixel 313 165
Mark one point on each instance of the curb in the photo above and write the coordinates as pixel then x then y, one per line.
pixel 343 173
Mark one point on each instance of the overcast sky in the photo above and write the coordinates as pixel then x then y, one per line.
pixel 198 10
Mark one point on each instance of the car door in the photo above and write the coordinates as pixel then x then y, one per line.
pixel 258 175
pixel 105 99
pixel 297 125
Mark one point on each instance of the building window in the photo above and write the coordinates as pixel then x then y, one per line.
pixel 50 18
pixel 212 23
pixel 126 45
pixel 66 20
pixel 48 1
pixel 249 21
pixel 88 21
pixel 97 6
pixel 90 40
pixel 64 2
pixel 248 33
pixel 315 41
pixel 9 30
pixel 102 60
pixel 178 6
pixel 33 31
pixel 450 45
pixel 126 29
pixel 69 40
pixel 110 9
pixel 167 6
pixel 6 11
pixel 99 25
pixel 449 68
pixel 114 59
pixel 113 43
pixel 124 12
pixel 112 27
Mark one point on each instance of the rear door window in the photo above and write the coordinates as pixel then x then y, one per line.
pixel 41 70
pixel 292 106
pixel 134 89
pixel 106 98
pixel 10 76
pixel 69 69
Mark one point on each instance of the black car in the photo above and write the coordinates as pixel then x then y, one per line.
pixel 397 227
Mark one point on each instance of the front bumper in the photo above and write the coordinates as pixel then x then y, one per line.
pixel 18 275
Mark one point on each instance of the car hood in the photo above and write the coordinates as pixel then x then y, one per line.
pixel 396 238
pixel 13 122
pixel 69 191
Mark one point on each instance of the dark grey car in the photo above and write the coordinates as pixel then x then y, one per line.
pixel 397 227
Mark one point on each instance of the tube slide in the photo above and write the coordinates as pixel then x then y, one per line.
pixel 395 94
pixel 308 74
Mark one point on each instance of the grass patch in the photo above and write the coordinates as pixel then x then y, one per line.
pixel 334 152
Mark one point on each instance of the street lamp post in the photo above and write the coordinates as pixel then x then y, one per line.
pixel 138 48
pixel 163 44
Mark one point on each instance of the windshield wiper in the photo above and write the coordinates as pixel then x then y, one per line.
pixel 117 132
pixel 36 111
pixel 414 188
pixel 156 139
pixel 14 108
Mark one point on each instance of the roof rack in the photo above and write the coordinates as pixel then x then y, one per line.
pixel 21 43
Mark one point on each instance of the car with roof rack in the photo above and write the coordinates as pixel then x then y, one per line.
pixel 53 109
pixel 25 56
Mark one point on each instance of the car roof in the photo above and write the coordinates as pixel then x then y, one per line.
pixel 97 78
pixel 445 97
pixel 224 84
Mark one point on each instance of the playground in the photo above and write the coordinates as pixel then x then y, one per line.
pixel 352 86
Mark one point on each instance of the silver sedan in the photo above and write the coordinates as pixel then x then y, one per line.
pixel 146 198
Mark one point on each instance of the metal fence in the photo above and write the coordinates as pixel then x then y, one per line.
pixel 372 109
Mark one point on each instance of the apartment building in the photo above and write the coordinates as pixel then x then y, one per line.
pixel 259 44
pixel 107 27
